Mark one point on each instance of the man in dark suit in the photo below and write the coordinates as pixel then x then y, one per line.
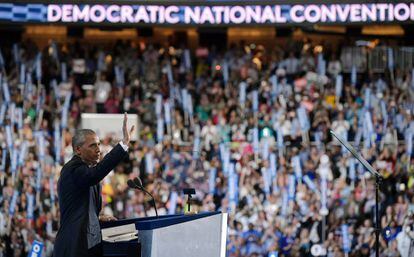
pixel 79 194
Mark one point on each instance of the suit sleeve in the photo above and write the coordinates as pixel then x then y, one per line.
pixel 86 177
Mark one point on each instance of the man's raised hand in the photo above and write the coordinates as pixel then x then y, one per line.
pixel 127 134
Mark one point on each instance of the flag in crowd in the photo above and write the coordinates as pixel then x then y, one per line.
pixel 37 248
pixel 63 72
pixel 212 181
pixel 324 202
pixel 338 86
pixel 149 163
pixel 242 94
pixel 353 76
pixel 275 87
pixel 346 244
pixel 173 202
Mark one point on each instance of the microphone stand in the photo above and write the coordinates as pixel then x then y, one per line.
pixel 152 200
pixel 137 184
pixel 378 180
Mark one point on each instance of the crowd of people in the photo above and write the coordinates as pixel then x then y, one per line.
pixel 246 126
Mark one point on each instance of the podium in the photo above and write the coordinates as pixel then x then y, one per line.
pixel 198 235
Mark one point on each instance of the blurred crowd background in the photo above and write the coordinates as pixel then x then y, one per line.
pixel 246 126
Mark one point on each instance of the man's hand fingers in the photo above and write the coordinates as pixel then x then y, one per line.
pixel 132 129
pixel 125 119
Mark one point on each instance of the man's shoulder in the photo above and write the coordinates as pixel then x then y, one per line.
pixel 71 164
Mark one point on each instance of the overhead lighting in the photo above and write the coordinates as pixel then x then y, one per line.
pixel 99 33
pixel 383 30
pixel 318 49
pixel 331 29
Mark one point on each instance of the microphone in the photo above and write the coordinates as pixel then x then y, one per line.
pixel 136 183
pixel 131 184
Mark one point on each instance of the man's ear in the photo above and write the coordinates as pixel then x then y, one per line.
pixel 77 150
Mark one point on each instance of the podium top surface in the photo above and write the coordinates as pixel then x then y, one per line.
pixel 150 223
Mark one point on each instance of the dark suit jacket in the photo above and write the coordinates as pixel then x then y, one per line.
pixel 80 203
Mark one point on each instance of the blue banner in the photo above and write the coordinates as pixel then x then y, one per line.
pixel 242 93
pixel 52 190
pixel 119 76
pixel 3 159
pixel 233 185
pixel 225 71
pixel 170 74
pixel 5 86
pixel 266 180
pixel 190 105
pixel 13 202
pixel 208 15
pixel 22 73
pixel 292 187
pixel 196 148
pixel 265 149
pixel 225 158
pixel 9 137
pixel 38 178
pixel 187 59
pixel 384 114
pixel 324 201
pixel 160 130
pixel 321 65
pixel 23 152
pixel 65 111
pixel 353 76
pixel 57 141
pixel 3 113
pixel 275 88
pixel 167 113
pixel 20 118
pixel 338 86
pixel 158 105
pixel 173 203
pixel 279 138
pixel 352 171
pixel 285 204
pixel 149 163
pixel 12 113
pixel 41 147
pixel 297 167
pixel 16 53
pixel 273 165
pixel 63 72
pixel 303 119
pixel 30 206
pixel 367 100
pixel 14 160
pixel 39 67
pixel 255 139
pixel 212 180
pixel 409 143
pixel 255 101
pixel 36 250
pixel 310 183
pixel 346 244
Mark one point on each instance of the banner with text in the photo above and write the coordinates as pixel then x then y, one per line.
pixel 207 15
